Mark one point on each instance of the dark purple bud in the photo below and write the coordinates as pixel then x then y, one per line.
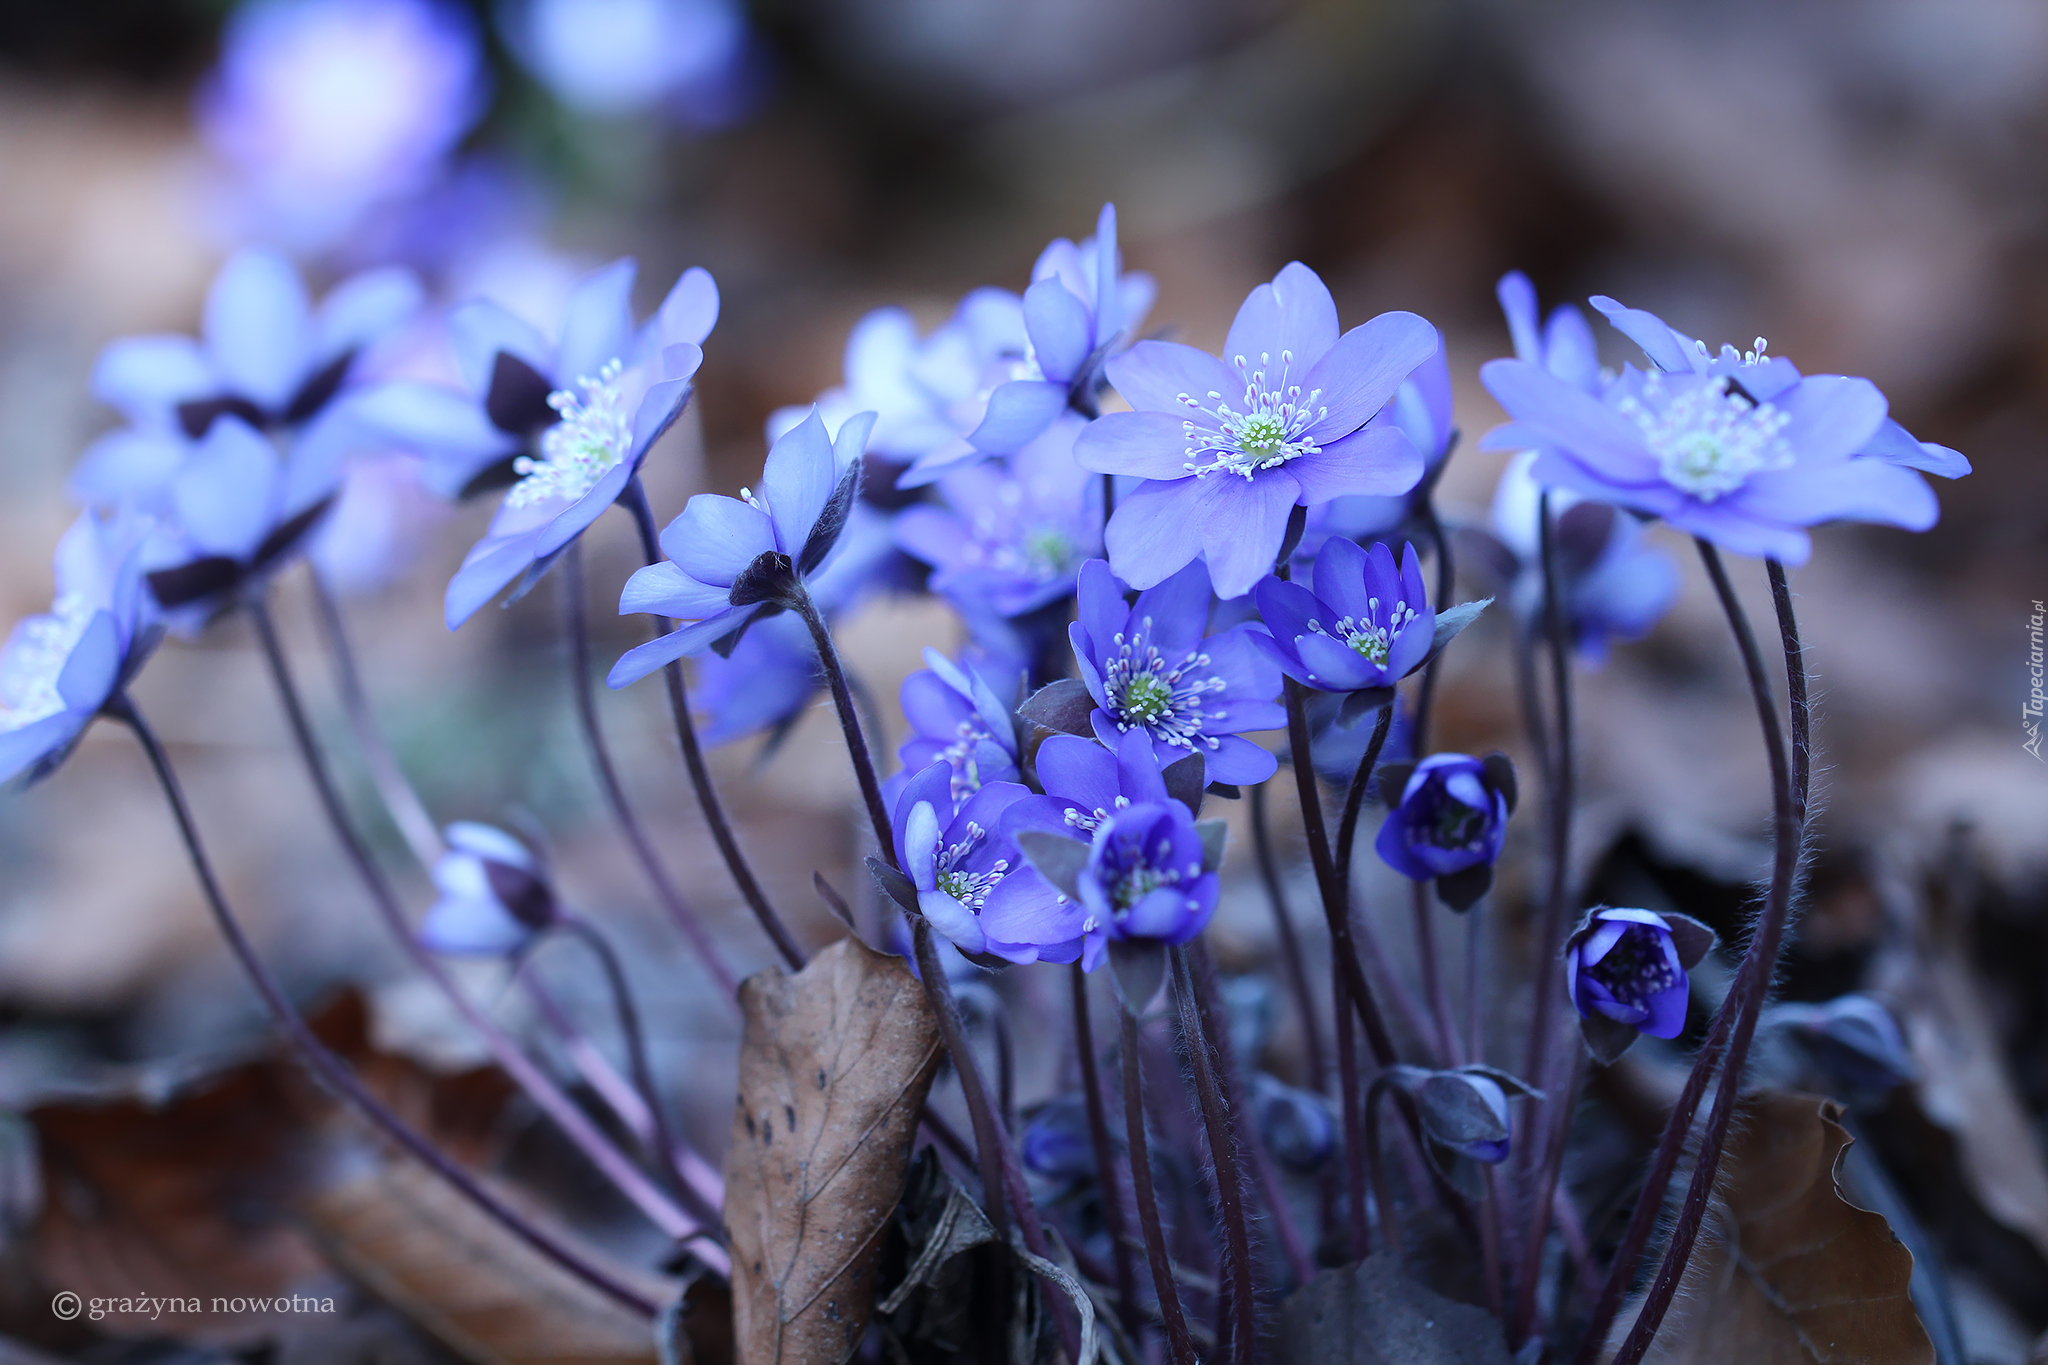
pixel 1626 972
pixel 1855 1039
pixel 494 895
pixel 1056 1143
pixel 1297 1125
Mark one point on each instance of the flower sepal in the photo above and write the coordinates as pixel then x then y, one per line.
pixel 1063 707
pixel 1139 967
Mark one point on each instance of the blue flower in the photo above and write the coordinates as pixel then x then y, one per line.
pixel 716 540
pixel 59 670
pixel 234 512
pixel 1563 345
pixel 1739 448
pixel 587 442
pixel 1367 624
pixel 958 719
pixel 615 58
pixel 1629 968
pixel 1079 306
pixel 1150 667
pixel 518 386
pixel 1228 449
pixel 1448 823
pixel 494 897
pixel 1010 533
pixel 959 857
pixel 325 110
pixel 1147 877
pixel 1615 583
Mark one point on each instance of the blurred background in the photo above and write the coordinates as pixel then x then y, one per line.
pixel 1863 182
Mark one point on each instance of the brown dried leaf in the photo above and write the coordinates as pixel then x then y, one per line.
pixel 1797 1274
pixel 834 1066
pixel 1372 1314
pixel 403 1234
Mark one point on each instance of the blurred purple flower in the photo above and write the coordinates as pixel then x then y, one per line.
pixel 957 718
pixel 1079 306
pixel 323 110
pixel 715 542
pixel 1448 823
pixel 1367 624
pixel 618 58
pixel 58 670
pixel 1615 583
pixel 494 897
pixel 377 526
pixel 1563 345
pixel 1010 533
pixel 1149 667
pixel 1739 449
pixel 519 386
pixel 1228 450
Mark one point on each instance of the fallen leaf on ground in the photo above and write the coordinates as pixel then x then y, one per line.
pixel 835 1063
pixel 1372 1314
pixel 1790 1272
pixel 408 1238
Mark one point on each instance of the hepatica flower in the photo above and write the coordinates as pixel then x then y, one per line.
pixel 1228 447
pixel 586 437
pixel 730 559
pixel 1738 448
pixel 1150 667
pixel 494 894
pixel 958 719
pixel 1078 307
pixel 58 670
pixel 1626 973
pixel 1446 821
pixel 1011 534
pixel 1366 625
pixel 326 109
pixel 616 58
pixel 960 857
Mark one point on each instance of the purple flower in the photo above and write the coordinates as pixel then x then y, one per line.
pixel 1448 822
pixel 59 670
pixel 1739 449
pixel 1228 449
pixel 1366 625
pixel 1615 583
pixel 378 525
pixel 1150 667
pixel 586 442
pixel 1625 971
pixel 1563 345
pixel 1010 533
pixel 958 719
pixel 494 895
pixel 960 858
pixel 807 489
pixel 266 354
pixel 1672 350
pixel 615 58
pixel 519 387
pixel 1147 877
pixel 1078 307
pixel 232 514
pixel 326 109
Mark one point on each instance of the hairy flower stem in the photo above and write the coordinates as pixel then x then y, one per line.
pixel 1111 1189
pixel 849 725
pixel 1226 1166
pixel 1216 1027
pixel 1290 941
pixel 635 501
pixel 1336 904
pixel 574 1123
pixel 1354 795
pixel 402 802
pixel 330 1069
pixel 577 627
pixel 1180 1346
pixel 663 1144
pixel 1547 1127
pixel 1759 963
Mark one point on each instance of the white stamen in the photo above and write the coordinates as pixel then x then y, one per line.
pixel 595 433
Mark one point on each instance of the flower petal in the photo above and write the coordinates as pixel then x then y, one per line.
pixel 597 325
pixel 714 537
pixel 1241 523
pixel 1379 461
pixel 1361 372
pixel 1153 376
pixel 1148 535
pixel 1145 445
pixel 259 326
pixel 480 329
pixel 1061 329
pixel 1017 412
pixel 1295 316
